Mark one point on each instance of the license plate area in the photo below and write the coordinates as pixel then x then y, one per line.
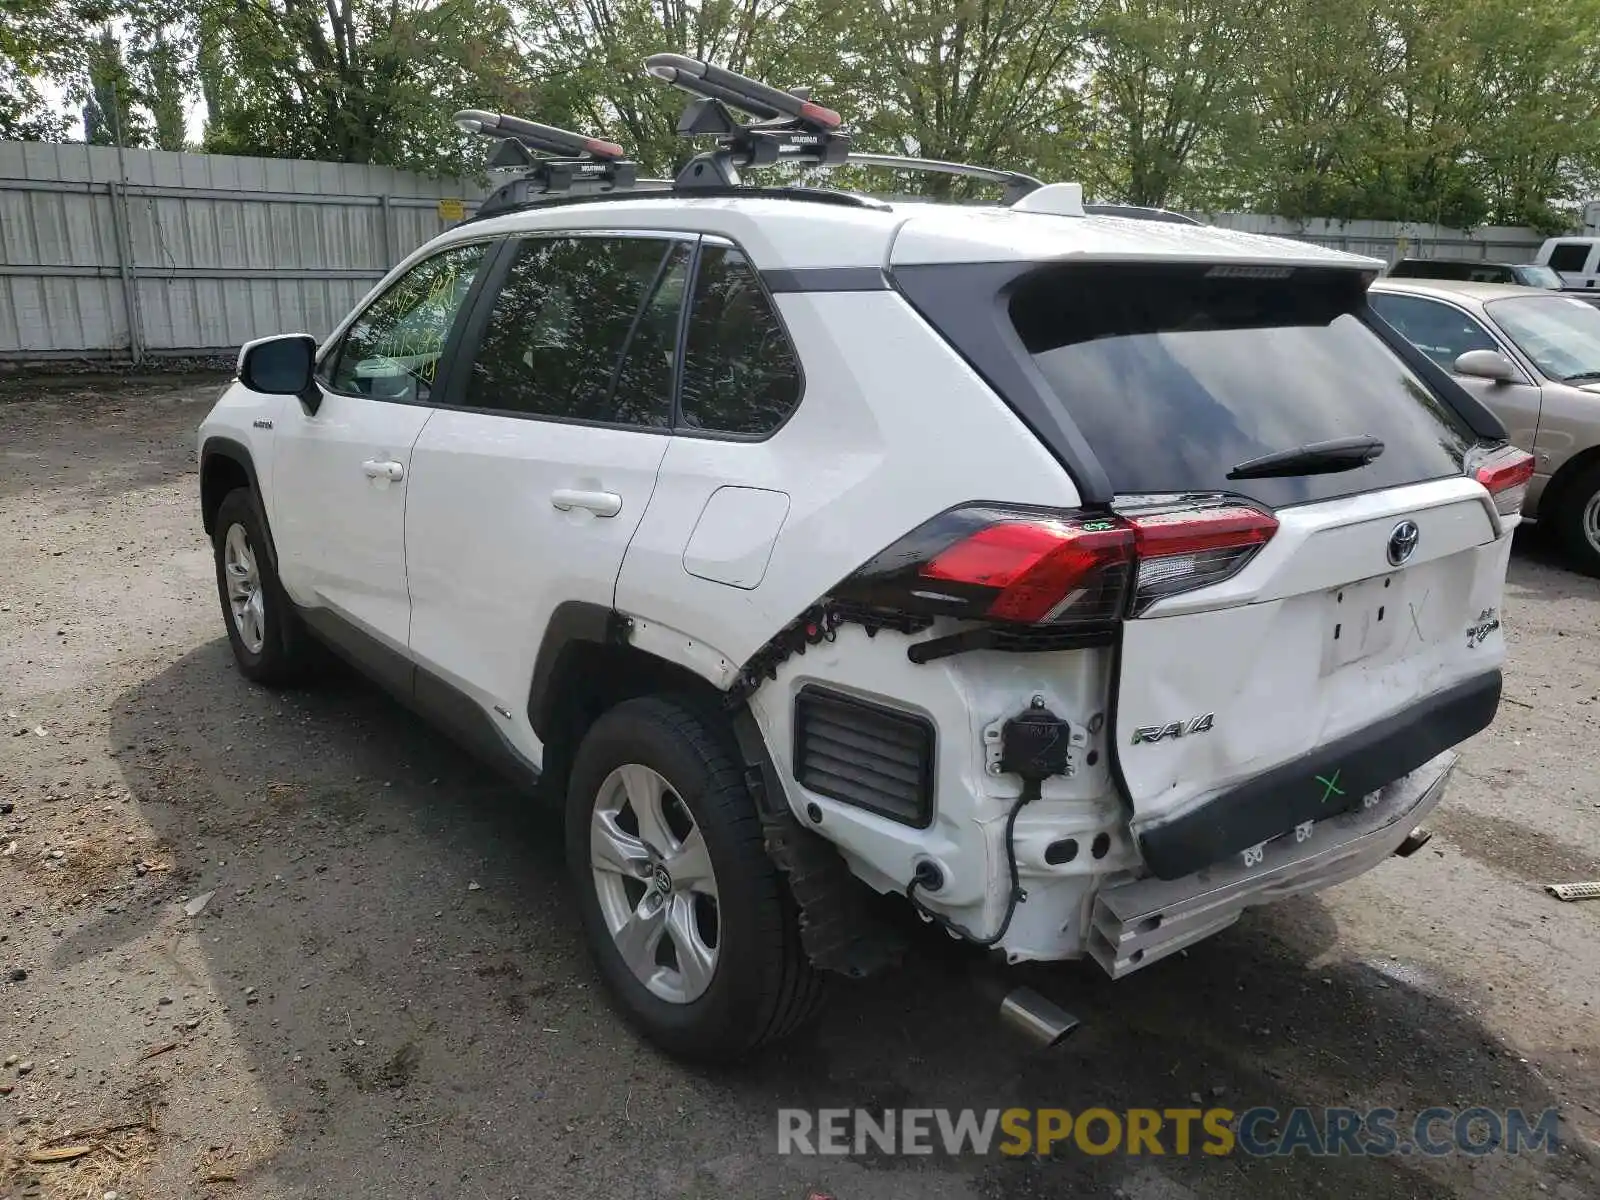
pixel 1362 620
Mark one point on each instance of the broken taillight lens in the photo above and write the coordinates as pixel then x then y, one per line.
pixel 1058 569
pixel 1506 473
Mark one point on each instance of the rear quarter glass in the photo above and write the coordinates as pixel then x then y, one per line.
pixel 1174 376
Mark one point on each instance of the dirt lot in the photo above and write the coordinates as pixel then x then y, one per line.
pixel 386 994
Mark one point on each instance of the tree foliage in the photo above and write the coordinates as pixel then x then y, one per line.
pixel 351 80
pixel 110 115
pixel 1459 111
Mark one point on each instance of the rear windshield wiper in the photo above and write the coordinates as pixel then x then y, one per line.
pixel 1314 458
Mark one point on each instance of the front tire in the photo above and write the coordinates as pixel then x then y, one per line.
pixel 689 922
pixel 1577 521
pixel 263 628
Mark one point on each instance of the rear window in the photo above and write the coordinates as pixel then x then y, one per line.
pixel 1570 258
pixel 1176 374
pixel 1418 268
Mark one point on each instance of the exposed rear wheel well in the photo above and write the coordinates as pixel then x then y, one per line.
pixel 220 474
pixel 588 679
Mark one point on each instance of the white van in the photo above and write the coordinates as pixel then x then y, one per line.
pixel 1575 259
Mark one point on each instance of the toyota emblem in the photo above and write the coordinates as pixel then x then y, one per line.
pixel 1403 541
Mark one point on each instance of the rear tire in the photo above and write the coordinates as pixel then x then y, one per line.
pixel 1577 521
pixel 268 640
pixel 741 978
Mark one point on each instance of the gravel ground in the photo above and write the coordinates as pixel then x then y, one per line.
pixel 386 994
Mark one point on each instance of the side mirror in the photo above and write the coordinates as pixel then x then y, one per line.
pixel 282 366
pixel 1486 364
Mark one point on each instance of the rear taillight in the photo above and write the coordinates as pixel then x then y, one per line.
pixel 1185 546
pixel 1060 570
pixel 1506 473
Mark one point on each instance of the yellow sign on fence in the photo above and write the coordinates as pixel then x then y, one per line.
pixel 451 210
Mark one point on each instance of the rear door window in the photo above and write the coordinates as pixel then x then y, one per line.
pixel 554 343
pixel 1176 374
pixel 1441 331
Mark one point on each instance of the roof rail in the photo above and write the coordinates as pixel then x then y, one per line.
pixel 1016 183
pixel 790 129
pixel 546 160
pixel 1138 212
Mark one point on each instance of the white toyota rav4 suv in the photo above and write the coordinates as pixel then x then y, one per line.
pixel 1080 580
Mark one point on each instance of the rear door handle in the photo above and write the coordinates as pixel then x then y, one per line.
pixel 383 469
pixel 601 504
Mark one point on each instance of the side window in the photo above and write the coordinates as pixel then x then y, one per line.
pixel 392 350
pixel 1441 332
pixel 740 374
pixel 553 346
pixel 1570 257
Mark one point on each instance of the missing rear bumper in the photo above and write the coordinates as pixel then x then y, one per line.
pixel 1137 923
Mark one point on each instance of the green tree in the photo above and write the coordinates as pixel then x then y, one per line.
pixel 39 40
pixel 109 114
pixel 1321 80
pixel 1170 81
pixel 166 92
pixel 352 80
pixel 1538 142
pixel 981 81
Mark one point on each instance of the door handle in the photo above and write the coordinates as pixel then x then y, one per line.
pixel 601 504
pixel 383 469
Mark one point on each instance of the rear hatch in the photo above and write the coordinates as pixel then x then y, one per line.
pixel 1303 628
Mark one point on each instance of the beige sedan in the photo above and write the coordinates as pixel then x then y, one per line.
pixel 1533 357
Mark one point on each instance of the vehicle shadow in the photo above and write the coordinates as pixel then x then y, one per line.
pixel 1541 565
pixel 426 1021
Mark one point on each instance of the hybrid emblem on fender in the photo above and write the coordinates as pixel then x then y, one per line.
pixel 1402 541
pixel 1158 733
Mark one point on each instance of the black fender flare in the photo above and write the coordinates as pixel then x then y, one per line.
pixel 572 621
pixel 238 453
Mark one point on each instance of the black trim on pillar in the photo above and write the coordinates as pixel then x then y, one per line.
pixel 825 279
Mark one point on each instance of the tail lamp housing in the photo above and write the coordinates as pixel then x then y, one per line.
pixel 1505 472
pixel 1060 569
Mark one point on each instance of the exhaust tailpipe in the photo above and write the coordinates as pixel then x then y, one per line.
pixel 1041 1020
pixel 1415 840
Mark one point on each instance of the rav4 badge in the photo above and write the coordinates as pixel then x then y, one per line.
pixel 1157 733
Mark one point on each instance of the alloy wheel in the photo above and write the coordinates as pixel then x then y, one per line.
pixel 655 883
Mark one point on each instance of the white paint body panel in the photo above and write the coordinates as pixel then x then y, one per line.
pixel 340 532
pixel 490 555
pixel 732 541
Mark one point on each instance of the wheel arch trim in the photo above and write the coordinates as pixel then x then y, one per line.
pixel 239 454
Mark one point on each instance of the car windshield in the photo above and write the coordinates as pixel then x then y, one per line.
pixel 1534 275
pixel 1561 334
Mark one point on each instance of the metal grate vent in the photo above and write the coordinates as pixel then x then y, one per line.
pixel 864 754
